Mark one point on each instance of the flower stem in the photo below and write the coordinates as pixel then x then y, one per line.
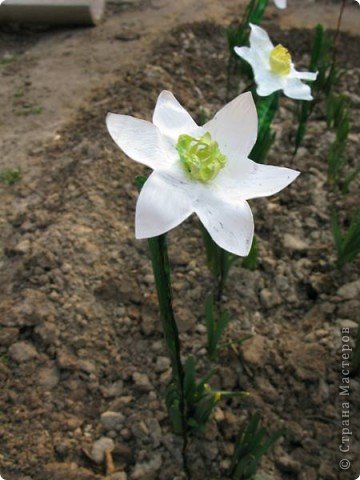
pixel 222 275
pixel 161 269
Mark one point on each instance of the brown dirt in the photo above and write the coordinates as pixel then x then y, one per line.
pixel 78 291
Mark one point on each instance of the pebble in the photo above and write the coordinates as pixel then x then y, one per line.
pixel 254 351
pixel 155 431
pixel 112 420
pixel 148 324
pixel 113 390
pixel 142 382
pixel 47 332
pixel 308 361
pixel 350 290
pixel 270 298
pixel 99 447
pixel 287 464
pixel 22 352
pixel 147 470
pixel 49 377
pixel 23 247
pixel 294 244
pixel 351 324
pixel 162 364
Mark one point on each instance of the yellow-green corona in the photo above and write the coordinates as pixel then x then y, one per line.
pixel 280 60
pixel 200 157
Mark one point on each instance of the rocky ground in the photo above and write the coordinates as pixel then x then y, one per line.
pixel 83 365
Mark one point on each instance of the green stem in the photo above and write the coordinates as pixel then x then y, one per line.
pixel 222 275
pixel 161 269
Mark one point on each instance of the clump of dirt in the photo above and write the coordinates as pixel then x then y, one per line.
pixel 82 360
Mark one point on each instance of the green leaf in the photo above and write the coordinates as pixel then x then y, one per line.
pixel 251 445
pixel 347 244
pixel 266 108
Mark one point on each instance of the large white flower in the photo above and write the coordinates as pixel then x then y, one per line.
pixel 273 68
pixel 280 3
pixel 205 170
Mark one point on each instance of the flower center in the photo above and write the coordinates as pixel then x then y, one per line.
pixel 200 157
pixel 280 60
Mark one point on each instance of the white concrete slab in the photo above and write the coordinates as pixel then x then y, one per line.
pixel 60 12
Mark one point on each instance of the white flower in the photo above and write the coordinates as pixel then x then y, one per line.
pixel 205 170
pixel 280 3
pixel 273 68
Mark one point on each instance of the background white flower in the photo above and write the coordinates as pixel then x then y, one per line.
pixel 171 193
pixel 280 3
pixel 273 68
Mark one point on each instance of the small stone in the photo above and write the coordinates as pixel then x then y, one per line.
pixel 8 336
pixel 139 429
pixel 218 415
pixel 346 323
pixel 49 377
pixel 148 323
pixel 186 320
pixel 155 431
pixel 67 361
pixel 294 244
pixel 254 351
pixel 308 361
pixel 87 366
pixel 22 352
pixel 162 364
pixel 287 464
pixel 267 389
pixel 270 298
pixel 142 382
pixel 99 448
pixel 117 476
pixel 350 290
pixel 33 309
pixel 111 420
pixel 23 247
pixel 113 390
pixel 147 470
pixel 47 333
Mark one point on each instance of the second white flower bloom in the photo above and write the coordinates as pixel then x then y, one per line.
pixel 273 68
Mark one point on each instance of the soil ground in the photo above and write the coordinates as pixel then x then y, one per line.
pixel 79 331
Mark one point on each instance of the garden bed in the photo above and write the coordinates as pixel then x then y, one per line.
pixel 79 291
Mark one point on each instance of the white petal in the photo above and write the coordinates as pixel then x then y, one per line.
pixel 280 3
pixel 269 82
pixel 310 76
pixel 259 65
pixel 294 88
pixel 140 140
pixel 234 127
pixel 162 205
pixel 246 53
pixel 256 181
pixel 260 42
pixel 171 118
pixel 230 225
